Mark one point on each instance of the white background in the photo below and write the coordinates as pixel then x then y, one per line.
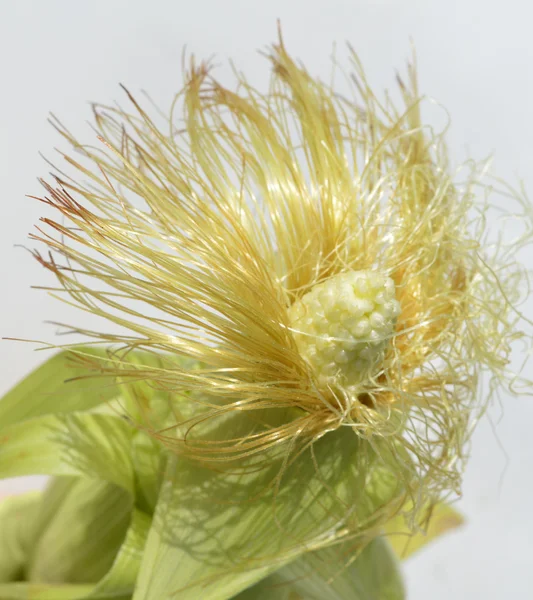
pixel 474 56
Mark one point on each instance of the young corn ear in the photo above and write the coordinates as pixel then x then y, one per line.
pixel 316 257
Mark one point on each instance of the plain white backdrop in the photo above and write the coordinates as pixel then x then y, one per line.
pixel 474 56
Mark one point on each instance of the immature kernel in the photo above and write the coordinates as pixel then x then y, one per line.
pixel 343 325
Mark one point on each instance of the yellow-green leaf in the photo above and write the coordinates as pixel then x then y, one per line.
pixel 17 522
pixel 122 576
pixel 86 531
pixel 341 573
pixel 117 583
pixel 36 591
pixel 77 444
pixel 149 465
pixel 54 387
pixel 83 539
pixel 83 553
pixel 86 377
pixel 217 532
pixel 439 520
pixel 268 588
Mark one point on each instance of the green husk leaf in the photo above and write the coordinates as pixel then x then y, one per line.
pixel 441 519
pixel 217 532
pixel 77 444
pixel 81 542
pixel 52 499
pixel 17 524
pixel 37 591
pixel 54 388
pixel 86 377
pixel 123 574
pixel 268 588
pixel 340 572
pixel 65 552
pixel 149 466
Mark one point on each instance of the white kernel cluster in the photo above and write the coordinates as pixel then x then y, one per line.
pixel 342 326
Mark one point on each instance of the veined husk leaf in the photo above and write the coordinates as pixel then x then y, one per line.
pixel 60 385
pixel 81 542
pixel 85 533
pixel 268 588
pixel 122 576
pixel 335 573
pixel 87 529
pixel 17 523
pixel 69 383
pixel 149 466
pixel 117 584
pixel 339 573
pixel 328 575
pixel 102 518
pixel 77 444
pixel 36 591
pixel 217 531
pixel 77 380
pixel 105 555
pixel 440 519
pixel 50 504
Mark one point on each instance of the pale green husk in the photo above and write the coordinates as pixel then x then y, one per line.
pixel 106 528
pixel 123 517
